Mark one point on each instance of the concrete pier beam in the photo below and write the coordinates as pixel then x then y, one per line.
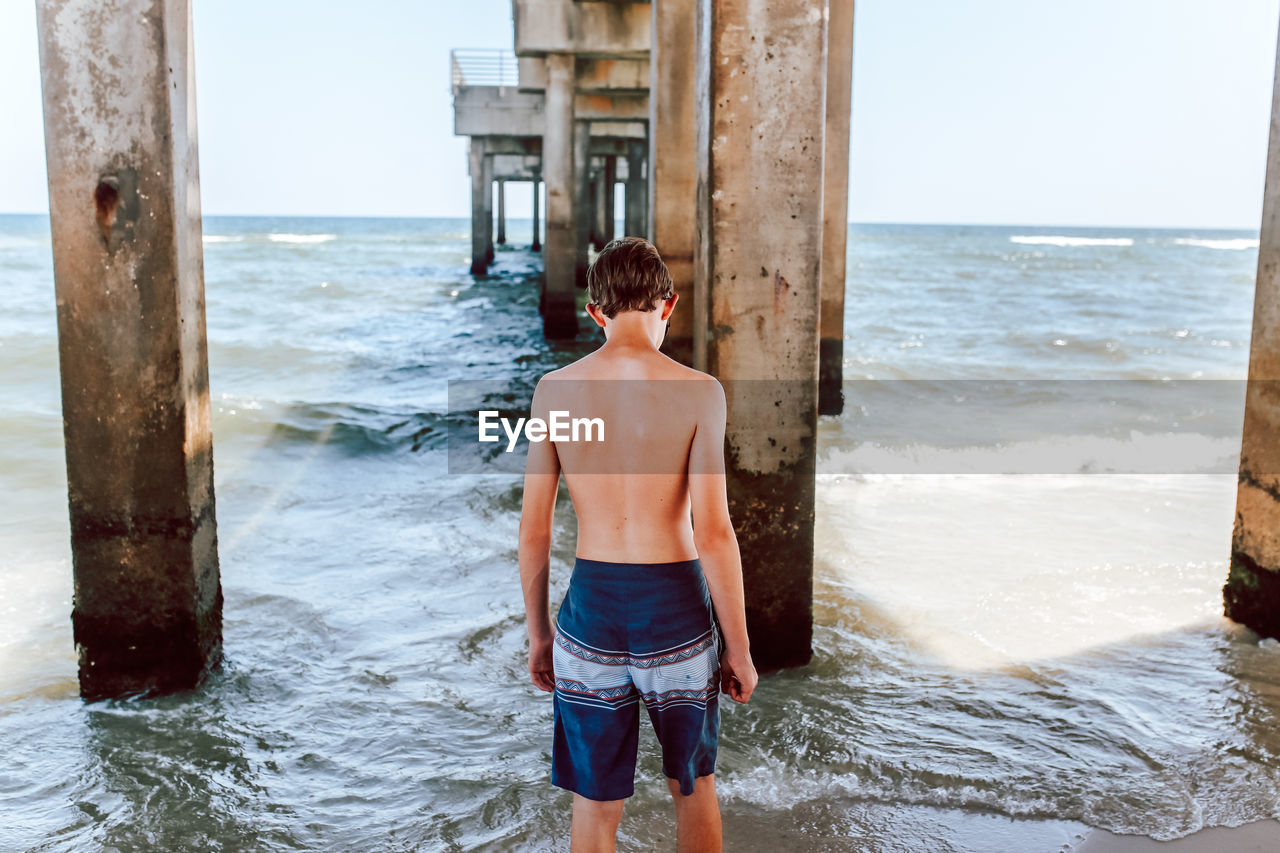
pixel 582 180
pixel 760 121
pixel 835 206
pixel 479 231
pixel 537 243
pixel 487 171
pixel 118 84
pixel 673 174
pixel 502 212
pixel 559 169
pixel 1251 594
pixel 636 202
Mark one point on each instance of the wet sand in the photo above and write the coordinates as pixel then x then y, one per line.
pixel 1261 836
pixel 872 827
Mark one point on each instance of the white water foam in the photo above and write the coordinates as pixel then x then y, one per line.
pixel 1236 244
pixel 301 238
pixel 1056 240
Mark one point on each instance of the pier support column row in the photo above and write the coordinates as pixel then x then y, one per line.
pixel 636 217
pixel 502 212
pixel 124 205
pixel 582 180
pixel 758 256
pixel 608 225
pixel 560 171
pixel 479 189
pixel 1251 594
pixel 599 203
pixel 536 245
pixel 487 177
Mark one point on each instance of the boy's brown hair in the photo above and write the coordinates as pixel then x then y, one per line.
pixel 628 275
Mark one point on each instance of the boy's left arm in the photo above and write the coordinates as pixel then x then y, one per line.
pixel 541 482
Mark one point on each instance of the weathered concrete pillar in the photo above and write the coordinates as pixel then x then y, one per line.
pixel 636 219
pixel 502 211
pixel 479 231
pixel 610 177
pixel 124 202
pixel 599 205
pixel 559 305
pixel 835 205
pixel 1251 594
pixel 673 170
pixel 582 178
pixel 592 231
pixel 761 82
pixel 536 245
pixel 488 208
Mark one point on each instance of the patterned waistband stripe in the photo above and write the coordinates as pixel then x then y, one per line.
pixel 613 658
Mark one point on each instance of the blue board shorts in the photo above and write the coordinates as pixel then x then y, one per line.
pixel 627 633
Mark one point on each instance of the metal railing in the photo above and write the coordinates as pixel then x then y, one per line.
pixel 482 67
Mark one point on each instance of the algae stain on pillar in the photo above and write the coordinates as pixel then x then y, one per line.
pixel 120 139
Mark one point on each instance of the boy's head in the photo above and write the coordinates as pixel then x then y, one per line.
pixel 628 275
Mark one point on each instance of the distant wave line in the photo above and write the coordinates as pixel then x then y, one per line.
pixel 1236 243
pixel 274 238
pixel 301 238
pixel 1056 240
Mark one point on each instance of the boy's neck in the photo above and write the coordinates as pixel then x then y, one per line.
pixel 629 333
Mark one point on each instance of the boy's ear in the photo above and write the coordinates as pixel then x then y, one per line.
pixel 669 305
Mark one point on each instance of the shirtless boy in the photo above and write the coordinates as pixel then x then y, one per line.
pixel 654 611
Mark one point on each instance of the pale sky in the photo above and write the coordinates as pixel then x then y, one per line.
pixel 1090 112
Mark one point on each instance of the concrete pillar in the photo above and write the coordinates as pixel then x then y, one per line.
pixel 636 219
pixel 835 206
pixel 536 245
pixel 502 212
pixel 479 231
pixel 592 208
pixel 559 305
pixel 759 258
pixel 672 174
pixel 610 198
pixel 1251 594
pixel 581 160
pixel 118 82
pixel 488 208
pixel 599 205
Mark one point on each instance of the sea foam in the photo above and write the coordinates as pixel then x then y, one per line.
pixel 1058 240
pixel 1236 243
pixel 301 238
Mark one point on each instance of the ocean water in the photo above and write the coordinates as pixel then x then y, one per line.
pixel 1021 541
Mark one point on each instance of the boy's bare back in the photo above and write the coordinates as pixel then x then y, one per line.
pixel 631 491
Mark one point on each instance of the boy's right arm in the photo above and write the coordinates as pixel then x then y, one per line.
pixel 717 543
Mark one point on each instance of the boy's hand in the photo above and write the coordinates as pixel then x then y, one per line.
pixel 540 668
pixel 738 676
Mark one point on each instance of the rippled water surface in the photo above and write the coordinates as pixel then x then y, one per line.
pixel 990 647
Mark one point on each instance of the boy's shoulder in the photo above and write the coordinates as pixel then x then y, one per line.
pixel 669 369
